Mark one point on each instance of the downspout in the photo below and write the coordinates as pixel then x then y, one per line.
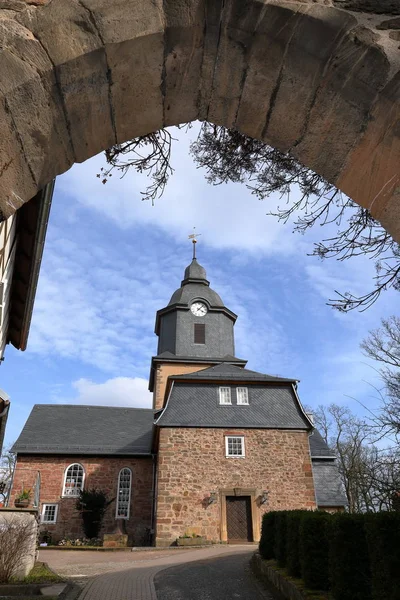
pixel 153 499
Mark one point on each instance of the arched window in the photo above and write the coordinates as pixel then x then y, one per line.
pixel 73 480
pixel 123 494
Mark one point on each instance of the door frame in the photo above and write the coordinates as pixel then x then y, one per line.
pixel 255 513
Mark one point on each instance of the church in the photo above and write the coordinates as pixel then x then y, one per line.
pixel 221 445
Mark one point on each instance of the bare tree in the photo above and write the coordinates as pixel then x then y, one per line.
pixel 229 156
pixel 7 464
pixel 383 345
pixel 17 543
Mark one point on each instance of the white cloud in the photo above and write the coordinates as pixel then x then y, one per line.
pixel 228 216
pixel 119 391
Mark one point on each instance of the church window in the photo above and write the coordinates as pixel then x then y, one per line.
pixel 242 395
pixel 225 395
pixel 49 513
pixel 234 446
pixel 123 494
pixel 199 333
pixel 73 481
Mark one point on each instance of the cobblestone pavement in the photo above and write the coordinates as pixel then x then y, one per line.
pixel 130 576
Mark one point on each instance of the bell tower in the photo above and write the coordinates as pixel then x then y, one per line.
pixel 195 331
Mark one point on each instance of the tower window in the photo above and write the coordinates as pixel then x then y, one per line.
pixel 242 395
pixel 234 446
pixel 199 333
pixel 225 395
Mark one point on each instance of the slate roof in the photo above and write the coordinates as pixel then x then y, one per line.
pixel 100 430
pixel 196 404
pixel 227 372
pixel 318 446
pixel 328 487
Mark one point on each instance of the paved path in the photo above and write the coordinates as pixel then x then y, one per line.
pixel 192 574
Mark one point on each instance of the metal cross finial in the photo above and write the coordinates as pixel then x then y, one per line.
pixel 193 237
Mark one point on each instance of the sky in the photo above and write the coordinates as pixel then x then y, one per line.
pixel 112 260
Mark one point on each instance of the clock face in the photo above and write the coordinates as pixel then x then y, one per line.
pixel 199 309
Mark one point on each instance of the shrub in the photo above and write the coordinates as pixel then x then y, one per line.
pixel 293 520
pixel 267 540
pixel 383 537
pixel 349 560
pixel 314 550
pixel 93 505
pixel 280 538
pixel 17 542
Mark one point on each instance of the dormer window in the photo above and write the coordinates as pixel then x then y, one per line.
pixel 225 395
pixel 242 395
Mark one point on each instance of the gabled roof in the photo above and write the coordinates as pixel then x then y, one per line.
pixel 228 372
pixel 327 483
pixel 196 404
pixel 77 429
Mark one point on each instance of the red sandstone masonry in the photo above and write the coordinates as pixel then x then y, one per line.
pixel 192 463
pixel 101 473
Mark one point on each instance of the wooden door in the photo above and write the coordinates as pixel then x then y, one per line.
pixel 238 519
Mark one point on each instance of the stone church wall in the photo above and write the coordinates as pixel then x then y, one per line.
pixel 100 473
pixel 164 371
pixel 192 464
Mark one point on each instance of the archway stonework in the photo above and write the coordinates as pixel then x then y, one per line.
pixel 318 78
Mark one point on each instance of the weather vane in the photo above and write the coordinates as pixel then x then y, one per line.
pixel 193 237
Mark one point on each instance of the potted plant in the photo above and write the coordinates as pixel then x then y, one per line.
pixel 191 540
pixel 22 500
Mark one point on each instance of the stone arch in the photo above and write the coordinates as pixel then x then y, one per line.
pixel 318 78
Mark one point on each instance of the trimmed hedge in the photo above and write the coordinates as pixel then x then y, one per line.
pixel 267 541
pixel 293 519
pixel 348 557
pixel 355 557
pixel 314 550
pixel 383 536
pixel 280 538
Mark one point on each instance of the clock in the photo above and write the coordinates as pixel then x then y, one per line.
pixel 199 309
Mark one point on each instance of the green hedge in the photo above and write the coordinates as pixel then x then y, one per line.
pixel 267 541
pixel 293 519
pixel 383 536
pixel 280 538
pixel 348 558
pixel 314 550
pixel 354 557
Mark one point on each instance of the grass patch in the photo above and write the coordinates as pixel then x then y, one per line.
pixel 41 574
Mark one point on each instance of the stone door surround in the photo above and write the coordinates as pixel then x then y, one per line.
pixel 255 512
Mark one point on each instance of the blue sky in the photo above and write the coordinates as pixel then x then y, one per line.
pixel 111 261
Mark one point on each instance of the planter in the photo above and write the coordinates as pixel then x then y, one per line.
pixel 197 541
pixel 21 503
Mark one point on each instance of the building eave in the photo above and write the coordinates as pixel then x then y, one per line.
pixel 32 220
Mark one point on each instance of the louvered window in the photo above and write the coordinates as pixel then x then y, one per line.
pixel 124 494
pixel 225 395
pixel 199 333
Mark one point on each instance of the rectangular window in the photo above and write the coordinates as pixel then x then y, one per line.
pixel 225 395
pixel 49 513
pixel 199 333
pixel 242 395
pixel 234 446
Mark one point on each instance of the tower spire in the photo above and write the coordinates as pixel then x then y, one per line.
pixel 193 237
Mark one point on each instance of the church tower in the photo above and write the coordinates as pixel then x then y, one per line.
pixel 195 331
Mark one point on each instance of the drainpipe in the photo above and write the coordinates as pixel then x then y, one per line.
pixel 153 499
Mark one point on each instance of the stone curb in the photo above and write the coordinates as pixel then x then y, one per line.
pixel 272 577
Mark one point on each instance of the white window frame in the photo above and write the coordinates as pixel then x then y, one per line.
pixel 242 393
pixel 117 516
pixel 42 519
pixel 229 437
pixel 64 495
pixel 222 390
